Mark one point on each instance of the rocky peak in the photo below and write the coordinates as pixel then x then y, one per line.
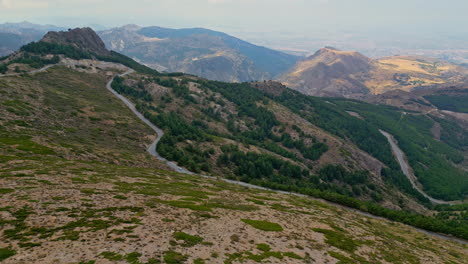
pixel 82 38
pixel 327 49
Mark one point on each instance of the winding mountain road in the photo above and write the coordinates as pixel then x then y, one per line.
pixel 406 169
pixel 152 148
pixel 152 151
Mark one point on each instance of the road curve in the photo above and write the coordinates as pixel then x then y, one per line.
pixel 406 169
pixel 152 151
pixel 152 148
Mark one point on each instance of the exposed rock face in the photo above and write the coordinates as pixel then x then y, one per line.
pixel 82 38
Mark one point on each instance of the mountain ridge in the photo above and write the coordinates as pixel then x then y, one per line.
pixel 331 72
pixel 203 52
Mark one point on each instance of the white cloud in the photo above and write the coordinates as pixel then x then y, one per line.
pixel 218 1
pixel 22 4
pixel 5 4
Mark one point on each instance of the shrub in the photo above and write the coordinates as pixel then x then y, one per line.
pixel 263 225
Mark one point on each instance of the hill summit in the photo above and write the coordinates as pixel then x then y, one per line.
pixel 82 38
pixel 332 72
pixel 328 73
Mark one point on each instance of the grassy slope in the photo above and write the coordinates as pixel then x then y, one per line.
pixel 419 71
pixel 70 114
pixel 107 211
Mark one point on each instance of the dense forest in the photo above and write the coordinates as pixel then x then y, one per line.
pixel 451 103
pixel 431 159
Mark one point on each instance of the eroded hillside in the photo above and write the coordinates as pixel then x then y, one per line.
pixel 331 72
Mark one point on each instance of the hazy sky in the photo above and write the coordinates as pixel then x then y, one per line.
pixel 256 15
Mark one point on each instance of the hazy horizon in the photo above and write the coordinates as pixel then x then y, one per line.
pixel 376 28
pixel 255 15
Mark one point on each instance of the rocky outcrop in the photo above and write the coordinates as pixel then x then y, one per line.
pixel 82 38
pixel 270 87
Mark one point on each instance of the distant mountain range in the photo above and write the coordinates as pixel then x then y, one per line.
pixel 206 53
pixel 15 35
pixel 335 73
pixel 217 56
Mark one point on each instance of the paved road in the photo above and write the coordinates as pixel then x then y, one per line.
pixel 152 148
pixel 406 169
pixel 152 151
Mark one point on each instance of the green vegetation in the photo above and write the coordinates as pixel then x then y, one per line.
pixel 265 254
pixel 189 240
pixel 198 261
pixel 5 190
pixel 456 103
pixel 258 166
pixel 122 59
pixel 24 143
pixel 263 247
pixel 342 259
pixel 130 258
pixel 195 157
pixel 3 68
pixel 6 253
pixel 45 48
pixel 172 257
pixel 179 131
pixel 339 239
pixel 430 159
pixel 263 225
pixel 121 88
